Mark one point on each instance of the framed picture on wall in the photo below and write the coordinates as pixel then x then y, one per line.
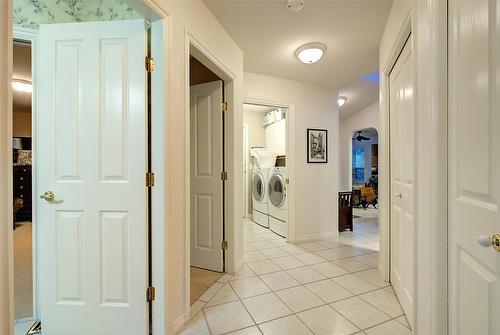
pixel 317 146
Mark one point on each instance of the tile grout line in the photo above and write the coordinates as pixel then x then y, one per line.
pixel 273 292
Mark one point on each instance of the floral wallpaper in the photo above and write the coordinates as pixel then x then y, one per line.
pixel 31 13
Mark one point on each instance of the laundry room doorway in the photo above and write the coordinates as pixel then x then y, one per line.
pixel 266 179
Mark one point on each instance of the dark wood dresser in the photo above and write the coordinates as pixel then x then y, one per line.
pixel 22 189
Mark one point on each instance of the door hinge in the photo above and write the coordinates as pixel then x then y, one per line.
pixel 224 245
pixel 150 179
pixel 150 64
pixel 150 294
pixel 223 106
pixel 223 175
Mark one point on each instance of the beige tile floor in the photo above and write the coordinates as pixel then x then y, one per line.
pixel 324 287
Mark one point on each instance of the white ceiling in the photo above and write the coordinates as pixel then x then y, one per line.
pixel 360 94
pixel 269 33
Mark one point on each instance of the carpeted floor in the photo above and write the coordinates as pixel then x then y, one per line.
pixel 23 270
pixel 201 281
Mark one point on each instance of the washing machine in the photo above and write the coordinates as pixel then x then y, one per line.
pixel 260 178
pixel 278 204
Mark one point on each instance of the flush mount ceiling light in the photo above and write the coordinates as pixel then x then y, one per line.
pixel 341 101
pixel 23 86
pixel 310 53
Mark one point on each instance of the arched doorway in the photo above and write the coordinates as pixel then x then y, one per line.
pixel 364 175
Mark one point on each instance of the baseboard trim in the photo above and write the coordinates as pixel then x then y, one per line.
pixel 238 266
pixel 316 237
pixel 179 323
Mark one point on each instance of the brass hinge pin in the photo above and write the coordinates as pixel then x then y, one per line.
pixel 150 294
pixel 150 64
pixel 150 179
pixel 223 106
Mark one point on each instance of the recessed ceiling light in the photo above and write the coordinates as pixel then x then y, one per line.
pixel 23 86
pixel 341 101
pixel 310 53
pixel 295 5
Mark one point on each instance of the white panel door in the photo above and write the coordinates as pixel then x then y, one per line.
pixel 91 153
pixel 206 184
pixel 402 178
pixel 474 174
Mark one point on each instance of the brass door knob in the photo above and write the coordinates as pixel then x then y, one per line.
pixel 48 196
pixel 487 242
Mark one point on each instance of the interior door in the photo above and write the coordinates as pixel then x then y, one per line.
pixel 206 183
pixel 91 154
pixel 474 157
pixel 402 178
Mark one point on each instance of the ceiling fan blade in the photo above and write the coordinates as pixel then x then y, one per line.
pixel 363 138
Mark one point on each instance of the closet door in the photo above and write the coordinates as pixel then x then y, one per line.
pixel 402 178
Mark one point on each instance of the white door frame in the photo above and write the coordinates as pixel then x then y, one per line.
pixel 245 170
pixel 232 201
pixel 290 157
pixel 159 28
pixel 431 140
pixel 384 152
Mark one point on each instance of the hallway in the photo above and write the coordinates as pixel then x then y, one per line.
pixel 327 287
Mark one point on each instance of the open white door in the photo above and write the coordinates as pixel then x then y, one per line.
pixel 91 153
pixel 402 178
pixel 474 158
pixel 206 183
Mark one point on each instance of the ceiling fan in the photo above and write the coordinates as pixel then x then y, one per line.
pixel 361 137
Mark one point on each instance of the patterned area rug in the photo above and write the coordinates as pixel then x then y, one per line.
pixel 370 212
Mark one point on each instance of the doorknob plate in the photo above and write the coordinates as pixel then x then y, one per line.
pixel 493 241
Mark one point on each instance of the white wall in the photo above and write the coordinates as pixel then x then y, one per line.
pixel 192 19
pixel 366 118
pixel 429 29
pixel 314 186
pixel 276 137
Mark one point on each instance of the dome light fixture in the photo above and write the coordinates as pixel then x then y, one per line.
pixel 311 52
pixel 23 86
pixel 341 101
